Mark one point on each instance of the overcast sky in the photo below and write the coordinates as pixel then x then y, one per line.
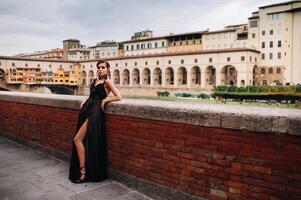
pixel 32 25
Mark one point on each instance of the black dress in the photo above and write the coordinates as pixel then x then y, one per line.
pixel 95 141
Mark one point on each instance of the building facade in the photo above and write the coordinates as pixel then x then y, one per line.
pixel 56 53
pixel 79 53
pixel 280 41
pixel 106 49
pixel 69 44
pixel 264 51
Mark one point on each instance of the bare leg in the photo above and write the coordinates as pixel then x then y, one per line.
pixel 78 140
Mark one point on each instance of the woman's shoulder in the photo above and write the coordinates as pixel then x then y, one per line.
pixel 108 81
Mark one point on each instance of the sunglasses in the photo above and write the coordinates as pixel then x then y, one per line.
pixel 102 67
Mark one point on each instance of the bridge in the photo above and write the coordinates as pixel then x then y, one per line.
pixel 55 89
pixel 3 86
pixel 61 89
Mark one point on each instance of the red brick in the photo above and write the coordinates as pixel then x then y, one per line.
pixel 224 163
pixel 294 176
pixel 259 169
pixel 235 178
pixel 238 185
pixel 186 155
pixel 256 182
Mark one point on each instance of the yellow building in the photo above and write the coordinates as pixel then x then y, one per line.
pixel 61 77
pixel 185 42
pixel 31 75
pixel 14 76
pixel 75 75
pixel 24 75
pixel 34 75
pixel 47 77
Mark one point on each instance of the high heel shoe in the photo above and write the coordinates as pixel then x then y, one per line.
pixel 82 175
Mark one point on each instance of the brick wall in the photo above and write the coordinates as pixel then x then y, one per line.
pixel 215 163
pixel 53 127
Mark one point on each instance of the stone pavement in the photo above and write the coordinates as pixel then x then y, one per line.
pixel 26 173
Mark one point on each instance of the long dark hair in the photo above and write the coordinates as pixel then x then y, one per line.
pixel 108 74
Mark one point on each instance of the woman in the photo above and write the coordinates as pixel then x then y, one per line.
pixel 89 157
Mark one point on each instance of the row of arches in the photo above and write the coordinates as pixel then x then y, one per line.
pixel 87 79
pixel 228 76
pixel 125 77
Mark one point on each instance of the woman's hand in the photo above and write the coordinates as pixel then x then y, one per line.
pixel 103 103
pixel 82 104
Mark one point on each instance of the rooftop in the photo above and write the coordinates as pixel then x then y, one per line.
pixel 80 49
pixel 71 39
pixel 165 36
pixel 280 4
pixel 34 59
pixel 221 31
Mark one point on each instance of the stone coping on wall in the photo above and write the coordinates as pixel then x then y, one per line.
pixel 252 118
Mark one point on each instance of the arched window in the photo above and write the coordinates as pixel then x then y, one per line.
pixel 270 70
pixel 262 71
pixel 278 70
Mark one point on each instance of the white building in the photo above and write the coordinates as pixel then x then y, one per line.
pixel 106 49
pixel 79 54
pixel 280 40
pixel 235 36
pixel 143 43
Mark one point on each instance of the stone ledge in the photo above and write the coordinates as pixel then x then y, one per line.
pixel 51 100
pixel 261 119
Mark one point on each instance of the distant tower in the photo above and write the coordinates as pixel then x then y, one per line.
pixel 68 44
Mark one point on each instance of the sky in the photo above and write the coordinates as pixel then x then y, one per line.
pixel 34 25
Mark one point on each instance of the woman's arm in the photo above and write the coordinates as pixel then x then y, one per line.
pixel 116 94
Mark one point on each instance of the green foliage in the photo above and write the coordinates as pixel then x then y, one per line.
pixel 232 89
pixel 242 89
pixel 255 93
pixel 298 89
pixel 283 89
pixel 252 88
pixel 163 94
pixel 204 96
pixel 221 88
pixel 186 95
pixel 263 89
